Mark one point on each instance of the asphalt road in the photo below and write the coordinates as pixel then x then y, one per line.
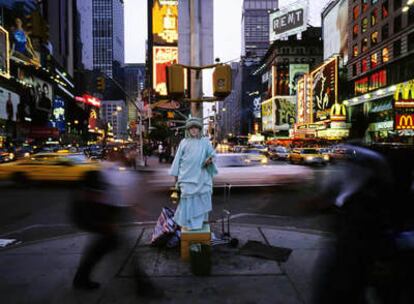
pixel 42 211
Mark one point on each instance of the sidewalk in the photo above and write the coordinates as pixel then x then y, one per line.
pixel 42 272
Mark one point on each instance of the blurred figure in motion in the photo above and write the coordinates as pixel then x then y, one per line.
pixel 104 197
pixel 364 191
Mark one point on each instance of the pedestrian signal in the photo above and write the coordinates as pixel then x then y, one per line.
pixel 222 81
pixel 175 80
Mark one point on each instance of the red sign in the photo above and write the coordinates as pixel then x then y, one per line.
pixel 90 100
pixel 163 57
pixel 404 121
pixel 43 132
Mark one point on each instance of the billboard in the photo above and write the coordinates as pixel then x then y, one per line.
pixel 296 71
pixel 21 44
pixel 4 53
pixel 285 110
pixel 9 102
pixel 165 22
pixel 268 115
pixel 290 20
pixel 335 33
pixel 404 95
pixel 324 82
pixel 58 119
pixel 163 56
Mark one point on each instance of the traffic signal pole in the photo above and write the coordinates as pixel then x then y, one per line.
pixel 195 58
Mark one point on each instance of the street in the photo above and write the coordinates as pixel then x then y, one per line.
pixel 38 211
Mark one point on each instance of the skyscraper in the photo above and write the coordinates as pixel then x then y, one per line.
pixel 255 26
pixel 101 28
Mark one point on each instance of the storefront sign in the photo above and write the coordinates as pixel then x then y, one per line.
pixel 162 57
pixel 296 71
pixel 383 125
pixel 324 89
pixel 404 95
pixel 288 21
pixel 338 112
pixel 404 121
pixel 89 100
pixel 165 22
pixel 4 53
pixel 93 117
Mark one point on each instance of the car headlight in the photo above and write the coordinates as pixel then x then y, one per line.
pixel 309 158
pixel 326 157
pixel 27 154
pixel 11 156
pixel 264 161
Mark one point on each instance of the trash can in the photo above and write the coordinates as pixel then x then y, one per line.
pixel 200 259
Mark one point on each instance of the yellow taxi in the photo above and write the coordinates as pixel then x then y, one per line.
pixel 49 167
pixel 308 156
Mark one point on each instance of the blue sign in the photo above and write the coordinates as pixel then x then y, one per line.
pixel 58 119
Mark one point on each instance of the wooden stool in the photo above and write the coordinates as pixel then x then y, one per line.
pixel 188 237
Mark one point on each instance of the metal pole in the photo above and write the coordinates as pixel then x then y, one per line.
pixel 195 51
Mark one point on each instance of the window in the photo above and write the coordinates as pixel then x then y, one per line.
pixel 410 41
pixel 364 25
pixel 355 50
pixel 364 45
pixel 411 15
pixel 354 69
pixel 364 65
pixel 355 31
pixel 397 48
pixel 385 55
pixel 397 24
pixel 374 61
pixel 397 4
pixel 374 16
pixel 356 12
pixel 374 38
pixel 384 9
pixel 364 6
pixel 385 32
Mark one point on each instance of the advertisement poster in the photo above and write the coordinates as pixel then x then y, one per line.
pixel 41 91
pixel 21 44
pixel 301 101
pixel 9 102
pixel 165 22
pixel 335 34
pixel 163 56
pixel 290 20
pixel 58 119
pixel 268 115
pixel 4 53
pixel 324 89
pixel 285 110
pixel 296 71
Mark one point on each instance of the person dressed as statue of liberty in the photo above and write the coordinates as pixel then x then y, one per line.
pixel 194 169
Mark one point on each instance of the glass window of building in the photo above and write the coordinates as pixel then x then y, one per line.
pixel 397 24
pixel 364 25
pixel 355 31
pixel 397 4
pixel 374 61
pixel 364 65
pixel 374 16
pixel 364 5
pixel 356 12
pixel 364 45
pixel 411 15
pixel 355 50
pixel 354 69
pixel 410 42
pixel 397 48
pixel 385 32
pixel 385 55
pixel 384 9
pixel 374 38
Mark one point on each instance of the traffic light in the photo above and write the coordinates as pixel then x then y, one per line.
pixel 100 84
pixel 170 115
pixel 175 80
pixel 222 81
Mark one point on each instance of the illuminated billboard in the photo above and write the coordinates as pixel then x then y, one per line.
pixel 296 71
pixel 4 53
pixel 9 102
pixel 285 110
pixel 335 33
pixel 163 56
pixel 268 115
pixel 290 20
pixel 165 22
pixel 324 82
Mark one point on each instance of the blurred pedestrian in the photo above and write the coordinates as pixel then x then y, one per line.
pixel 193 169
pixel 160 151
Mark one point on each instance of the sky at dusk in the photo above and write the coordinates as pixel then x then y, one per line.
pixel 227 27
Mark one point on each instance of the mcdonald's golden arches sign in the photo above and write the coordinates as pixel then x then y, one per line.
pixel 404 121
pixel 404 95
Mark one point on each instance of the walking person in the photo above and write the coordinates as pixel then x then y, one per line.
pixel 193 169
pixel 160 152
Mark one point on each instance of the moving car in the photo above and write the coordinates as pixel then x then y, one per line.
pixel 6 156
pixel 237 170
pixel 308 156
pixel 255 156
pixel 278 153
pixel 49 167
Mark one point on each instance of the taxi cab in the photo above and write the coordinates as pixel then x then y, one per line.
pixel 49 167
pixel 308 156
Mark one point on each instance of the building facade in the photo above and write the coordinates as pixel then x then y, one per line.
pixel 381 57
pixel 255 26
pixel 134 85
pixel 115 116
